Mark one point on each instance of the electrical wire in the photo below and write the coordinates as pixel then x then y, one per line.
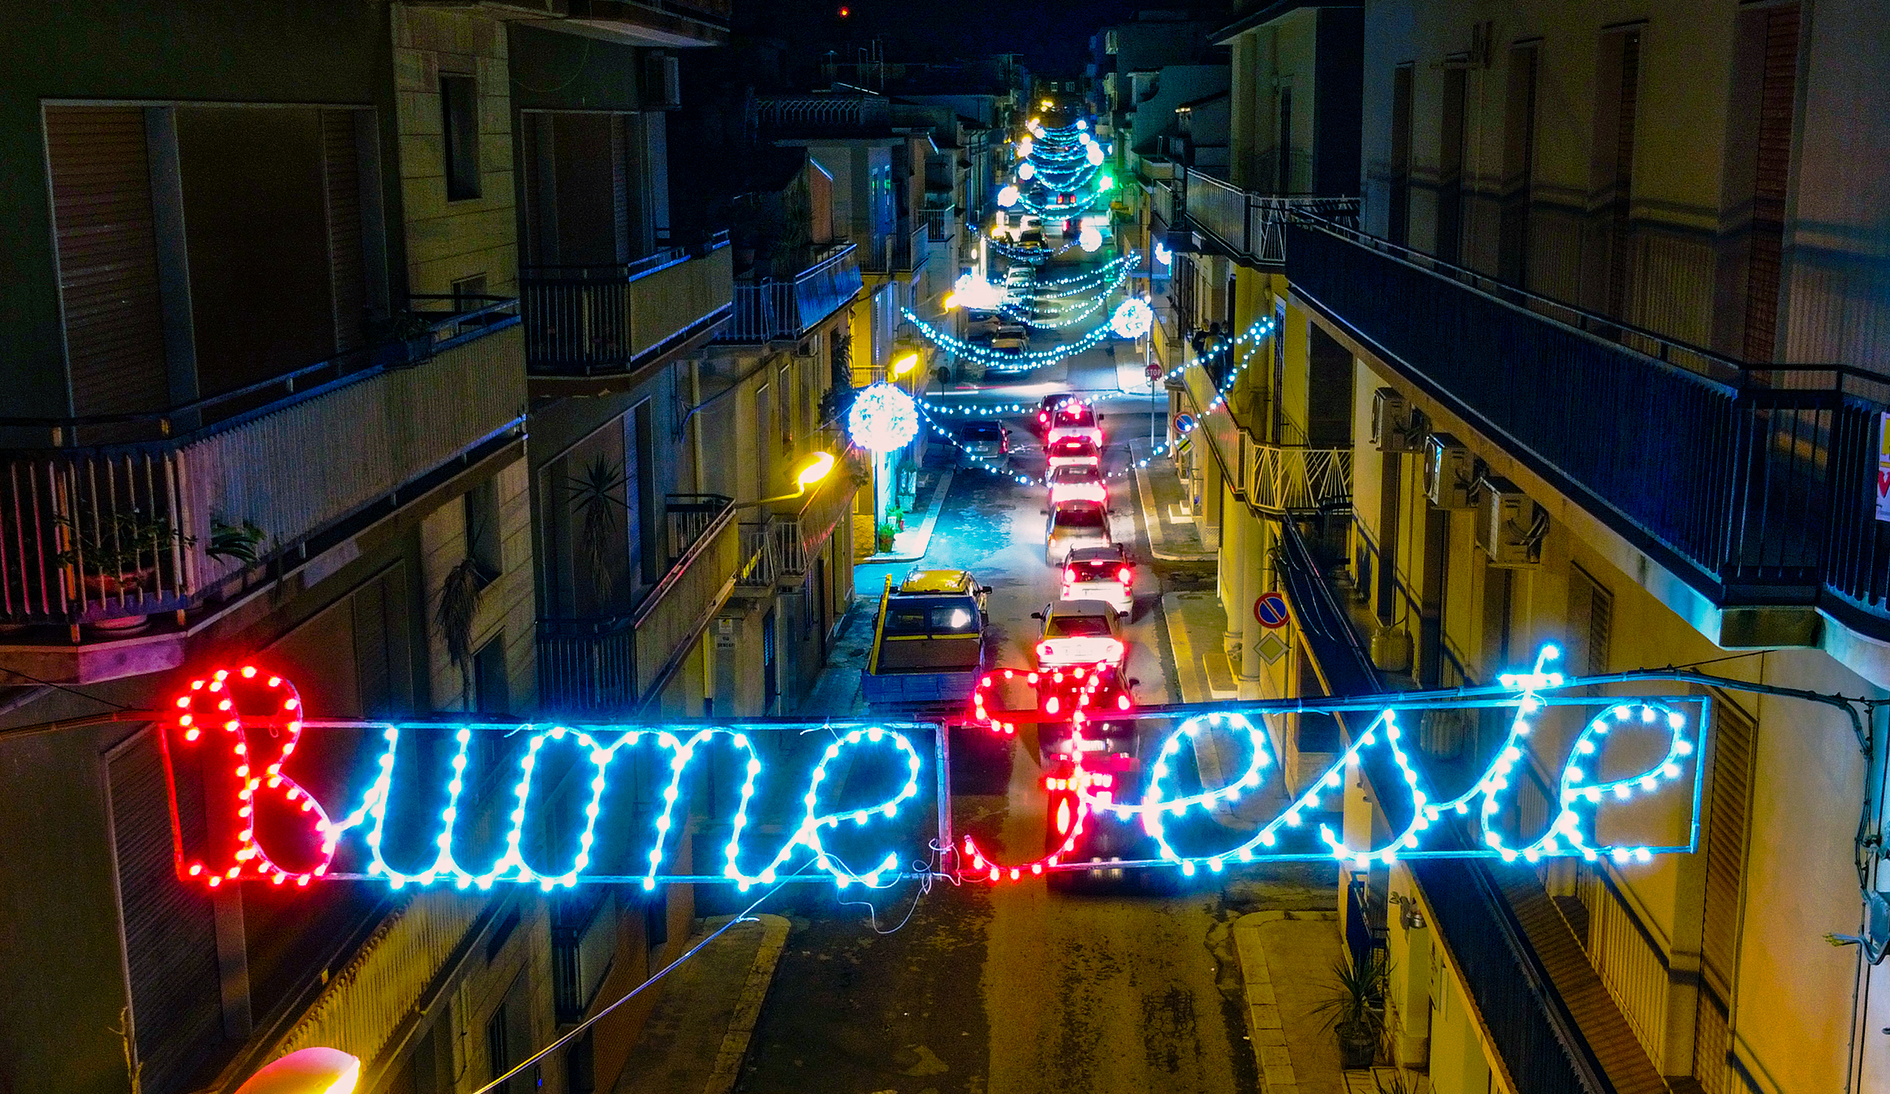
pixel 70 691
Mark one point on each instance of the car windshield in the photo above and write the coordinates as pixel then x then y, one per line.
pixel 1077 626
pixel 982 431
pixel 932 615
pixel 1079 516
pixel 1076 474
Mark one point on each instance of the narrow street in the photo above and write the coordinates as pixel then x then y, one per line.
pixel 1011 987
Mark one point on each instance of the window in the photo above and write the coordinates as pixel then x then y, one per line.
pixel 459 110
pixel 492 692
pixel 469 293
pixel 482 530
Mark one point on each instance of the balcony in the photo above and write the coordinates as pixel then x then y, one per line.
pixel 612 322
pixel 941 224
pixel 668 23
pixel 781 545
pixel 1294 480
pixel 785 310
pixel 1755 487
pixel 108 534
pixel 616 666
pixel 583 941
pixel 1251 227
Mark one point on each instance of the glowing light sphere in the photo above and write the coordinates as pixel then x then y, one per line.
pixel 1081 124
pixel 883 418
pixel 1007 197
pixel 1162 254
pixel 975 292
pixel 1026 171
pixel 1132 318
pixel 1089 239
pixel 1095 154
pixel 1025 147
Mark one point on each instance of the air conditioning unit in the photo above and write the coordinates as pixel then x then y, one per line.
pixel 1510 527
pixel 1395 426
pixel 1449 473
pixel 662 82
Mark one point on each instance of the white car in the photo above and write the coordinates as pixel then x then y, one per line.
pixel 1080 632
pixel 1071 452
pixel 1100 573
pixel 1075 418
pixel 1077 482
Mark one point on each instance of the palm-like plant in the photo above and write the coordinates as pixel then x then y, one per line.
pixel 1353 1008
pixel 595 498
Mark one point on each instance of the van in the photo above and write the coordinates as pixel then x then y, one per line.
pixel 928 644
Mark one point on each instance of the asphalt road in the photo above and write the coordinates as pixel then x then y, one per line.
pixel 1012 988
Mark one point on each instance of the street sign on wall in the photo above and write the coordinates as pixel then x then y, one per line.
pixel 1270 610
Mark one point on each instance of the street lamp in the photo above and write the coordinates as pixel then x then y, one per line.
pixel 902 365
pixel 307 1071
pixel 815 469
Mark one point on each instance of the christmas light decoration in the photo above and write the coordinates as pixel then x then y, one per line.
pixel 1090 239
pixel 974 292
pixel 1001 360
pixel 1163 255
pixel 1094 154
pixel 1132 319
pixel 1008 196
pixel 1026 171
pixel 883 418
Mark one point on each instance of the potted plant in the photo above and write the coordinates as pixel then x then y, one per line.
pixel 118 554
pixel 887 530
pixel 1354 1008
pixel 234 541
pixel 404 338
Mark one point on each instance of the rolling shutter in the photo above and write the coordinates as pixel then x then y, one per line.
pixel 170 928
pixel 341 175
pixel 1777 92
pixel 107 243
pixel 1725 868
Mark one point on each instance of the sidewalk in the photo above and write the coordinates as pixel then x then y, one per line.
pixel 1286 963
pixel 911 544
pixel 1172 533
pixel 697 1035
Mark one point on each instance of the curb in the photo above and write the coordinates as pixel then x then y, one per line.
pixel 1152 525
pixel 741 1027
pixel 925 530
pixel 1266 1034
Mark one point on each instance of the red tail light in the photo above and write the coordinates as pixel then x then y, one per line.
pixel 1126 576
pixel 1044 649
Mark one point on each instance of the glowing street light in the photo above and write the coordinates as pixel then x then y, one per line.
pixel 307 1071
pixel 903 365
pixel 815 468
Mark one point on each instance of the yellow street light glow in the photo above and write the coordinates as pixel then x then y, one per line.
pixel 905 364
pixel 307 1071
pixel 817 468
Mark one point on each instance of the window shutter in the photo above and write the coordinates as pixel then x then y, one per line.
pixel 1590 623
pixel 170 928
pixel 1725 869
pixel 107 243
pixel 341 170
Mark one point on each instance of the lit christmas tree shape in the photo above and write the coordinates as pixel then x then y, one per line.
pixel 883 418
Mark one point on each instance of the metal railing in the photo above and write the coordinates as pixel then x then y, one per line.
pixel 615 665
pixel 941 224
pixel 122 531
pixel 781 545
pixel 1253 226
pixel 788 308
pixel 1757 488
pixel 606 319
pixel 1283 479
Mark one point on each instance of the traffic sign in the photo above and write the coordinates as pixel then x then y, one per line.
pixel 1154 371
pixel 1184 423
pixel 1270 610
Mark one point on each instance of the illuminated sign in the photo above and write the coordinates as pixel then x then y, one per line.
pixel 554 805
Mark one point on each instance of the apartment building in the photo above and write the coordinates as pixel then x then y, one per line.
pixel 291 297
pixel 1595 367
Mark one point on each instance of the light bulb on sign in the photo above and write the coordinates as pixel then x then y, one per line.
pixel 1132 318
pixel 883 418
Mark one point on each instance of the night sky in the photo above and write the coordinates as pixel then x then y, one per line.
pixel 1052 34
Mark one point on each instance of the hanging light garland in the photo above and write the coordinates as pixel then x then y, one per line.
pixel 999 361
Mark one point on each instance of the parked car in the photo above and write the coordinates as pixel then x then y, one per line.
pixel 1077 482
pixel 1080 632
pixel 1011 337
pixel 985 440
pixel 1100 573
pixel 1072 526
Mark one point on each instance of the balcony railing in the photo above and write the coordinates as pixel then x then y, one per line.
pixel 781 545
pixel 615 665
pixel 1253 226
pixel 941 224
pixel 121 531
pixel 1757 487
pixel 785 310
pixel 610 319
pixel 1295 480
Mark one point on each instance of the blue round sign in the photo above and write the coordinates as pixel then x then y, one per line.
pixel 1270 610
pixel 1184 423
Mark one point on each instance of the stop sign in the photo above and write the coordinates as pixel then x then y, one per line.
pixel 1154 371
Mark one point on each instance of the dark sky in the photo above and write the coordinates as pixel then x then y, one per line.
pixel 1052 34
